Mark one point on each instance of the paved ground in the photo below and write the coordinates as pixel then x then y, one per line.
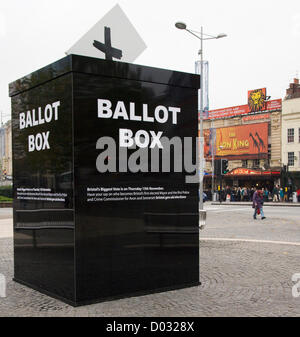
pixel 239 278
pixel 281 223
pixel 246 203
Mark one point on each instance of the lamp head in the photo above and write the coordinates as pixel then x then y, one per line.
pixel 180 25
pixel 221 35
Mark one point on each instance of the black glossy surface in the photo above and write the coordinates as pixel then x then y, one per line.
pixel 94 66
pixel 51 71
pixel 117 248
pixel 44 230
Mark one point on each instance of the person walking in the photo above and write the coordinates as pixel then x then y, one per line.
pixel 242 193
pixel 245 194
pixel 275 194
pixel 251 193
pixel 298 194
pixel 281 194
pixel 265 194
pixel 258 204
pixel 290 194
pixel 286 195
pixel 238 194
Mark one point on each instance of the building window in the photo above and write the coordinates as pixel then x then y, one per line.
pixel 244 163
pixel 269 130
pixel 269 151
pixel 256 163
pixel 290 135
pixel 291 159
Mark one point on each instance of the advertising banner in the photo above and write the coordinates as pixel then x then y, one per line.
pixel 242 110
pixel 239 142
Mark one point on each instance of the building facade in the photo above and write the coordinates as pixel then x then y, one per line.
pixel 5 151
pixel 291 136
pixel 249 137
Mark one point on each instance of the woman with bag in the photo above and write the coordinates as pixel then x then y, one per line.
pixel 258 204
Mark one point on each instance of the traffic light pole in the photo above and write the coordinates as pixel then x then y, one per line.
pixel 212 178
pixel 220 195
pixel 224 170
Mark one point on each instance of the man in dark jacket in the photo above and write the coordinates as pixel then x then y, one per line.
pixel 258 204
pixel 275 193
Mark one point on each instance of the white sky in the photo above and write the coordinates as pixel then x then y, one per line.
pixel 262 48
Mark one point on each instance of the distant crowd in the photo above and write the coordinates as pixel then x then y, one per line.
pixel 278 194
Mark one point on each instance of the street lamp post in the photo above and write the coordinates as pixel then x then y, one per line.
pixel 213 161
pixel 182 25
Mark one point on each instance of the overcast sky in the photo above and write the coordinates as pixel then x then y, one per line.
pixel 262 48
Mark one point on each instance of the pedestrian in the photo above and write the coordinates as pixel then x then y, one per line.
pixel 227 193
pixel 223 193
pixel 275 194
pixel 258 204
pixel 245 194
pixel 251 193
pixel 290 194
pixel 242 193
pixel 266 194
pixel 298 194
pixel 286 194
pixel 233 196
pixel 238 194
pixel 281 194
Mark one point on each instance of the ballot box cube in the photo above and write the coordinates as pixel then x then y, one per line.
pixel 99 211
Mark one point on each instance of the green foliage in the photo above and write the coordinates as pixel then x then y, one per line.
pixel 4 199
pixel 6 191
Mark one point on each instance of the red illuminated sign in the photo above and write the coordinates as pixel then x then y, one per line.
pixel 244 171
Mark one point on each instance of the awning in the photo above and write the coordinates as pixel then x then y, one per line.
pixel 252 173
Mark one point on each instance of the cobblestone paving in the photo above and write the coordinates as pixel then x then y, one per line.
pixel 238 279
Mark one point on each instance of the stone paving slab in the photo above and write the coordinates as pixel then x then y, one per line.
pixel 247 203
pixel 238 279
pixel 281 224
pixel 6 228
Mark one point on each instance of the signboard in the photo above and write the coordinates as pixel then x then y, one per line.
pixel 239 142
pixel 257 99
pixel 255 117
pixel 242 110
pixel 112 38
pixel 209 142
pixel 245 171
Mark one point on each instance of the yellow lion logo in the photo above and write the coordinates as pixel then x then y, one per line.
pixel 256 100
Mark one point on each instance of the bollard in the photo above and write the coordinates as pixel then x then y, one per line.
pixel 2 286
pixel 202 219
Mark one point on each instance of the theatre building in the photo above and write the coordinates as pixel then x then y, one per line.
pixel 249 137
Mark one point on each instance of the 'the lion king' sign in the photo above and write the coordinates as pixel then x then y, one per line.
pixel 248 141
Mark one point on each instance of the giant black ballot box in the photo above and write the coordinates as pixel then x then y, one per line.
pixel 86 227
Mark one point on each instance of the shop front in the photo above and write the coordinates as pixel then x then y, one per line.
pixel 249 178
